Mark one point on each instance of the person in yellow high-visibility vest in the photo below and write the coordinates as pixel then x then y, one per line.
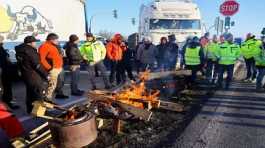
pixel 227 55
pixel 248 49
pixel 193 58
pixel 212 65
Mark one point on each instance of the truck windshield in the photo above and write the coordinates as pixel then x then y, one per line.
pixel 174 24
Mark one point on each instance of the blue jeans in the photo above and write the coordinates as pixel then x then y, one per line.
pixel 230 73
pixel 261 74
pixel 251 69
pixel 211 70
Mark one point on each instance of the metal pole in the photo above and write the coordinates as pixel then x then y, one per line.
pixel 90 24
pixel 86 18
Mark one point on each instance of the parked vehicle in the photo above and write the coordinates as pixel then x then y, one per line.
pixel 162 18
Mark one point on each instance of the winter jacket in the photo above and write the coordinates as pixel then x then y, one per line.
pixel 29 64
pixel 147 54
pixel 4 58
pixel 115 49
pixel 162 49
pixel 73 53
pixel 93 51
pixel 173 51
pixel 128 57
pixel 50 56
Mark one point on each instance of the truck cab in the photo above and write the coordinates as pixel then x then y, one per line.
pixel 162 18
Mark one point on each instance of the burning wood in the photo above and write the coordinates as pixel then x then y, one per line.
pixel 135 95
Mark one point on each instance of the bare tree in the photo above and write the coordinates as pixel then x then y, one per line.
pixel 106 34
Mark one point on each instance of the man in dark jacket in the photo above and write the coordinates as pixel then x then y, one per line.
pixel 127 63
pixel 74 59
pixel 33 74
pixel 6 76
pixel 173 52
pixel 162 60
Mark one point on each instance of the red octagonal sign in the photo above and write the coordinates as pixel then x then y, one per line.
pixel 229 8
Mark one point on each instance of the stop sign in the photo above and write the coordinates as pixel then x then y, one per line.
pixel 229 8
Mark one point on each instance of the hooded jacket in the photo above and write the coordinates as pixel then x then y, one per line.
pixel 115 48
pixel 29 63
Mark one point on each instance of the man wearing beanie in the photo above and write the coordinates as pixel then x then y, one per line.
pixel 74 59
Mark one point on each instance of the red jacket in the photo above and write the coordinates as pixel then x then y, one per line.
pixel 9 123
pixel 115 48
pixel 49 56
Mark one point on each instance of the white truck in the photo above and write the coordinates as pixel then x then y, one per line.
pixel 162 18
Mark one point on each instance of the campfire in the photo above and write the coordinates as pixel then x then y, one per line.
pixel 138 95
pixel 133 99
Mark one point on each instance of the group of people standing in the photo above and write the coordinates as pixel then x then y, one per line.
pixel 157 58
pixel 220 56
pixel 42 68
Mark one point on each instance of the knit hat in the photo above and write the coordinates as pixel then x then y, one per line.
pixel 73 38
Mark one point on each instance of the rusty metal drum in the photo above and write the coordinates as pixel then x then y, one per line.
pixel 75 133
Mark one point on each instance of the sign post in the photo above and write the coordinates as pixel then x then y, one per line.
pixel 228 9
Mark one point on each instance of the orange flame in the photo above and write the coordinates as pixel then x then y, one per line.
pixel 137 94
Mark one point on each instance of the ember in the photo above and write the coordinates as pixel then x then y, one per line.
pixel 71 115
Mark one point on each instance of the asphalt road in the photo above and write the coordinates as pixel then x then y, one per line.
pixel 229 119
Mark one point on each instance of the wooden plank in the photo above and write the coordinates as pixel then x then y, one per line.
pixel 100 122
pixel 142 114
pixel 157 75
pixel 171 106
